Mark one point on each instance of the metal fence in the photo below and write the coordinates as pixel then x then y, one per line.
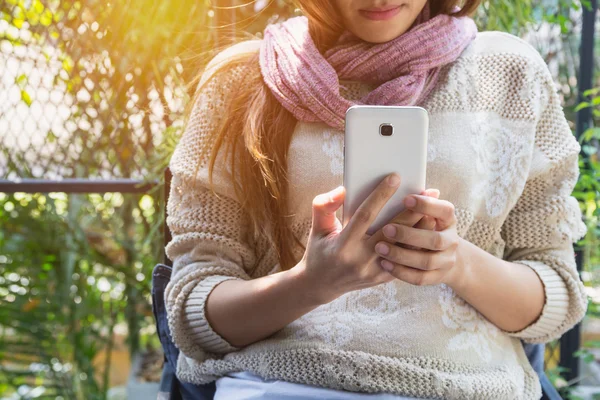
pixel 91 92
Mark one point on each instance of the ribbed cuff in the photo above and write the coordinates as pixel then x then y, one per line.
pixel 556 306
pixel 196 324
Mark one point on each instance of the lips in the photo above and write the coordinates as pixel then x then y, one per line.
pixel 380 13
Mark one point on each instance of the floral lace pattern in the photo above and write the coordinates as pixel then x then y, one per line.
pixel 334 323
pixel 333 143
pixel 462 79
pixel 527 91
pixel 569 228
pixel 475 332
pixel 502 156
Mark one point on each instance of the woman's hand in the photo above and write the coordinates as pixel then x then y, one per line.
pixel 339 260
pixel 433 256
pixel 409 217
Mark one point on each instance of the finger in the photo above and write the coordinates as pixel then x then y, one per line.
pixel 442 210
pixel 421 259
pixel 411 218
pixel 324 207
pixel 426 222
pixel 410 275
pixel 366 213
pixel 407 217
pixel 431 240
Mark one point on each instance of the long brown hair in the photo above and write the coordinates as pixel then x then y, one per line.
pixel 266 128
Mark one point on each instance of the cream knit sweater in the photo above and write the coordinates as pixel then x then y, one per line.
pixel 500 150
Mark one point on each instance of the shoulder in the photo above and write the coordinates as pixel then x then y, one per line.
pixel 229 54
pixel 508 52
pixel 497 71
pixel 224 75
pixel 218 85
pixel 243 47
pixel 491 43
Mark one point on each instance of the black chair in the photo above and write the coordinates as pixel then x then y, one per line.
pixel 171 388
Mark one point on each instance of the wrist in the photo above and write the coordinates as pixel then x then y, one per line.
pixel 306 288
pixel 461 273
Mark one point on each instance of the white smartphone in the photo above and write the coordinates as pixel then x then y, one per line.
pixel 379 140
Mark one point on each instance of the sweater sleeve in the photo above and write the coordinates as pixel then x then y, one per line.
pixel 209 241
pixel 545 222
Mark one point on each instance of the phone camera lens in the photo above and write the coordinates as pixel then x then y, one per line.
pixel 386 129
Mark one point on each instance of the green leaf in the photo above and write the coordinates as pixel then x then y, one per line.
pixel 50 137
pixel 32 17
pixel 21 80
pixel 582 105
pixel 37 6
pixel 46 18
pixel 591 92
pixel 589 134
pixel 25 97
pixel 59 15
pixel 67 64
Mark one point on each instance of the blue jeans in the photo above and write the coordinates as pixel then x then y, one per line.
pixel 170 387
pixel 535 354
pixel 173 389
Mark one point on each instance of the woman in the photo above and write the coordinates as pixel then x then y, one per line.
pixel 271 298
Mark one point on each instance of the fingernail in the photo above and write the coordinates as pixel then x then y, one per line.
pixel 385 264
pixel 394 179
pixel 389 231
pixel 410 202
pixel 382 248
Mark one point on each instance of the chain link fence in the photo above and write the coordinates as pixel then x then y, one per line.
pixel 89 89
pixel 75 101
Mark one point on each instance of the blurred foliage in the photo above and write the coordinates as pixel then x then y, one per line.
pixel 72 268
pixel 586 191
pixel 75 267
pixel 505 15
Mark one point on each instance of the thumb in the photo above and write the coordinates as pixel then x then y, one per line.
pixel 324 207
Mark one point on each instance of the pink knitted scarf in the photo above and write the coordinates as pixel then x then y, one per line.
pixel 405 69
